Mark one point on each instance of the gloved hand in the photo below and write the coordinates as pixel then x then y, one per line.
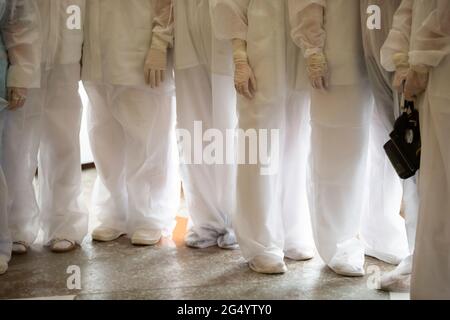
pixel 156 63
pixel 317 67
pixel 244 78
pixel 416 82
pixel 16 98
pixel 401 62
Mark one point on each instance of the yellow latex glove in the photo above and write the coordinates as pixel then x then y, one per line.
pixel 156 63
pixel 401 62
pixel 416 82
pixel 16 98
pixel 317 67
pixel 244 78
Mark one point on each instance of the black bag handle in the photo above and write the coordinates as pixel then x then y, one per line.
pixel 406 105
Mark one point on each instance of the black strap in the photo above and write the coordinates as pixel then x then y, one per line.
pixel 409 105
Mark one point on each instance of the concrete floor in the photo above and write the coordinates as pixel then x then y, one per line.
pixel 118 270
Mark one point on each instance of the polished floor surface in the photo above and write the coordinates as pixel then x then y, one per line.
pixel 118 270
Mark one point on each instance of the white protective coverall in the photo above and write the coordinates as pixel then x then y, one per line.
pixel 340 120
pixel 131 126
pixel 431 269
pixel 19 65
pixel 407 20
pixel 271 219
pixel 206 97
pixel 49 125
pixel 385 187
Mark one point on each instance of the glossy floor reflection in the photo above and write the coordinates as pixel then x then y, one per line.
pixel 169 270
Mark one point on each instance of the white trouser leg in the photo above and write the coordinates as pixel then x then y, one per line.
pixel 296 217
pixel 107 141
pixel 431 266
pixel 225 119
pixel 399 279
pixel 147 120
pixel 411 209
pixel 20 148
pixel 137 186
pixel 63 214
pixel 382 227
pixel 258 221
pixel 205 101
pixel 340 119
pixel 5 235
pixel 138 182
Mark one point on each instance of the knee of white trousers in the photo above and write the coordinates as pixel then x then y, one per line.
pixel 342 107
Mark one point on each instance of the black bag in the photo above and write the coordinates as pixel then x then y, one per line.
pixel 403 150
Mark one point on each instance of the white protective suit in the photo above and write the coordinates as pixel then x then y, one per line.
pixel 340 120
pixel 130 124
pixel 407 20
pixel 271 219
pixel 206 96
pixel 386 189
pixel 45 134
pixel 431 269
pixel 19 68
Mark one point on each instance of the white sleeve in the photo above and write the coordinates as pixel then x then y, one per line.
pixel 229 18
pixel 307 25
pixel 163 24
pixel 433 38
pixel 21 35
pixel 399 38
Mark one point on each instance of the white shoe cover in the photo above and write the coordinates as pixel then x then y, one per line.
pixel 105 234
pixel 299 254
pixel 193 240
pixel 19 248
pixel 228 241
pixel 349 259
pixel 225 241
pixel 268 265
pixel 146 237
pixel 398 280
pixel 3 264
pixel 62 245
